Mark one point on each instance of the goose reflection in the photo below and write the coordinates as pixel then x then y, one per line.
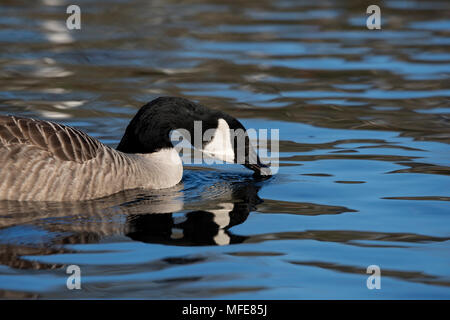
pixel 186 215
pixel 199 227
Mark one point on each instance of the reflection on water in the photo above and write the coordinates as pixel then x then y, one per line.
pixel 364 133
pixel 147 216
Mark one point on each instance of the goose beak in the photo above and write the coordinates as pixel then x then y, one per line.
pixel 260 169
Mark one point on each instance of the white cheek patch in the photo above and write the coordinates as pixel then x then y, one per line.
pixel 220 146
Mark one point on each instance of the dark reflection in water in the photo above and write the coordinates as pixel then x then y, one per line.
pixel 198 227
pixel 147 216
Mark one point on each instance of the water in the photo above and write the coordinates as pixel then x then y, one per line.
pixel 364 149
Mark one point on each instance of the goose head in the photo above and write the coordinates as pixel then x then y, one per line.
pixel 221 136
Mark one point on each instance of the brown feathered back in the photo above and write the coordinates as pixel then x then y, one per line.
pixel 65 143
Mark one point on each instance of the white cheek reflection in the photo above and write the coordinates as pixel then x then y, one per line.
pixel 222 219
pixel 222 239
pixel 222 216
pixel 176 233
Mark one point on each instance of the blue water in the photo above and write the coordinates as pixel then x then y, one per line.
pixel 364 151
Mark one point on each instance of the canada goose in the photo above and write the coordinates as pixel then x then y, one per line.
pixel 46 161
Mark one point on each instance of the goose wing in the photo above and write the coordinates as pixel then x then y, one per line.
pixel 63 142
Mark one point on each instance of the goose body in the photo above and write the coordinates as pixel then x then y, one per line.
pixel 46 161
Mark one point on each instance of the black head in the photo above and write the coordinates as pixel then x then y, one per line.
pixel 149 131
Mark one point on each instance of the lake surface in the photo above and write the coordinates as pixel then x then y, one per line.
pixel 363 118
